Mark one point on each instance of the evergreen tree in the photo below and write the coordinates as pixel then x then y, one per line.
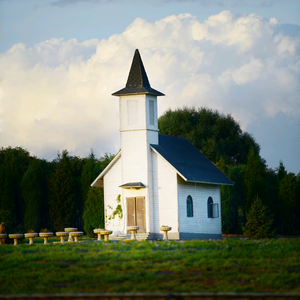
pixel 281 171
pixel 229 206
pixel 247 144
pixel 77 165
pixel 255 183
pixel 277 206
pixel 237 173
pixel 62 193
pixel 229 211
pixel 259 221
pixel 13 164
pixel 105 160
pixel 297 209
pixel 8 201
pixel 234 200
pixel 93 218
pixel 33 193
pixel 90 171
pixel 93 214
pixel 288 193
pixel 287 189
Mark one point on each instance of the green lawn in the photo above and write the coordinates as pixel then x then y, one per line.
pixel 230 265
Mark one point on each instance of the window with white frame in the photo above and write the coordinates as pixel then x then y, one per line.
pixel 212 208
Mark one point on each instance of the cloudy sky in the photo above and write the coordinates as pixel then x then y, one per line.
pixel 60 60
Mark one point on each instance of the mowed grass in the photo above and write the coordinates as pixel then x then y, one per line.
pixel 230 265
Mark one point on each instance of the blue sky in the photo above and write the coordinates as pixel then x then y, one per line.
pixel 61 60
pixel 32 21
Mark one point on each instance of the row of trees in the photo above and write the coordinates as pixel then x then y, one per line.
pixel 236 153
pixel 37 194
pixel 278 190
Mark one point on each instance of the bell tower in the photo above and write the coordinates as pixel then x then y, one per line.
pixel 138 123
pixel 138 129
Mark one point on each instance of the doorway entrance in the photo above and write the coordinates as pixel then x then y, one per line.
pixel 136 213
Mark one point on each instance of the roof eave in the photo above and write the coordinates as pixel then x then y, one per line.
pixel 209 182
pixel 123 92
pixel 128 94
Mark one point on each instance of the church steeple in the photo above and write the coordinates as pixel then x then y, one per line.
pixel 137 82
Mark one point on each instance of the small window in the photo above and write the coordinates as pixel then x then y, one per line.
pixel 132 112
pixel 215 210
pixel 189 206
pixel 212 208
pixel 151 112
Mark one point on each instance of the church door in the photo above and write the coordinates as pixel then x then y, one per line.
pixel 136 213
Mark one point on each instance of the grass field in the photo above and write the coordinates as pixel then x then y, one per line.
pixel 230 265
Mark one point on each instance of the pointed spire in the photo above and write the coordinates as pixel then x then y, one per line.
pixel 137 82
pixel 137 75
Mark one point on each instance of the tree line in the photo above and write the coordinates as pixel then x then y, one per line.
pixel 37 194
pixel 236 153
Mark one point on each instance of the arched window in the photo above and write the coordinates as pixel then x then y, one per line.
pixel 212 208
pixel 189 206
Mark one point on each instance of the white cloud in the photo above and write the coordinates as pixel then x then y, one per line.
pixel 232 31
pixel 247 73
pixel 57 94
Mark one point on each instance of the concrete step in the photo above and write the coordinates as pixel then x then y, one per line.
pixel 124 236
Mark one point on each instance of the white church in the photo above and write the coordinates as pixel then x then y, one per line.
pixel 158 179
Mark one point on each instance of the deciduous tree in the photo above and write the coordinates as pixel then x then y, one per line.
pixel 215 135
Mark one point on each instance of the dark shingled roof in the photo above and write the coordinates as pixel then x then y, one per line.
pixel 189 161
pixel 137 82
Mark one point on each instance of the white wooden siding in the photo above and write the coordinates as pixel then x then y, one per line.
pixel 142 108
pixel 199 223
pixel 112 181
pixel 134 156
pixel 135 165
pixel 164 206
pixel 132 112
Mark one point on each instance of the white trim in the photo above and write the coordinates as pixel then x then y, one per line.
pixel 206 182
pixel 147 129
pixel 107 168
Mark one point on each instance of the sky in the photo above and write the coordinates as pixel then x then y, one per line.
pixel 60 61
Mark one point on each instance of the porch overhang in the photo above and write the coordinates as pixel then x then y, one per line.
pixel 133 185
